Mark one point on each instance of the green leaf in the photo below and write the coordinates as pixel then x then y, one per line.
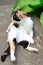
pixel 41 19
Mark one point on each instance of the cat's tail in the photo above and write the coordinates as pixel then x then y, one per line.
pixel 31 49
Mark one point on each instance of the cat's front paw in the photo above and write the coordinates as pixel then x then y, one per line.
pixel 13 58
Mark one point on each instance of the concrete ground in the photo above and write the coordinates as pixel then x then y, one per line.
pixel 23 57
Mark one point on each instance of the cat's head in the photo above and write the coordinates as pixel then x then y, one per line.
pixel 16 17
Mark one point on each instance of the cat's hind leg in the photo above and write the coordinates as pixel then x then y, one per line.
pixel 32 49
pixel 12 51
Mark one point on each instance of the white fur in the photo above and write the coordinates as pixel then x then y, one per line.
pixel 23 32
pixel 12 34
pixel 25 26
pixel 23 36
pixel 13 58
pixel 31 49
pixel 19 34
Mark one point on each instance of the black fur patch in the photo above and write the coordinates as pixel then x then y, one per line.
pixel 16 25
pixel 14 40
pixel 23 43
pixel 5 54
pixel 15 17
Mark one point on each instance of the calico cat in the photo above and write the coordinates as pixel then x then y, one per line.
pixel 18 35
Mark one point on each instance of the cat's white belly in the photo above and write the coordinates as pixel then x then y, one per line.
pixel 23 36
pixel 21 33
pixel 27 24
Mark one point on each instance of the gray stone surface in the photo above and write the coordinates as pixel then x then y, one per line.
pixel 7 2
pixel 23 57
pixel 38 27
